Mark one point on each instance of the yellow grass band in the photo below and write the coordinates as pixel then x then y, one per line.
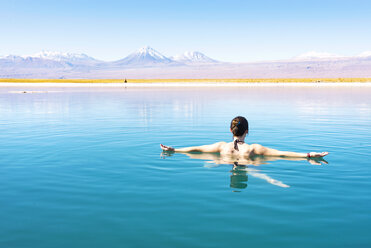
pixel 226 80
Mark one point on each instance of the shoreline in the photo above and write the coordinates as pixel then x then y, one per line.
pixel 194 82
pixel 185 84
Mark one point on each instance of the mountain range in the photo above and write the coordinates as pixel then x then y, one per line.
pixel 146 62
pixel 145 56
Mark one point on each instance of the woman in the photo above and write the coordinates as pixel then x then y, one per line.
pixel 239 128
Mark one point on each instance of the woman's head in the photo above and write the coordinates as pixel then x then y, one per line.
pixel 239 126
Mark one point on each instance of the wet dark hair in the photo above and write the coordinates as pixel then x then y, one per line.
pixel 239 126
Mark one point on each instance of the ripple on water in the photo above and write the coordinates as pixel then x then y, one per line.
pixel 84 168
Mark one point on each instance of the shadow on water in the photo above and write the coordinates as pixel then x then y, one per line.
pixel 241 170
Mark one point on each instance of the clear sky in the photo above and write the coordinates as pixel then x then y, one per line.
pixel 235 31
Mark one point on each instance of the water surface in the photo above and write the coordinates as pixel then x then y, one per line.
pixel 82 167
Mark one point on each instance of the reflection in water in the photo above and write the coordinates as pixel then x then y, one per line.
pixel 238 177
pixel 240 171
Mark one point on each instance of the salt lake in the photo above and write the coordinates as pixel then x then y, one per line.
pixel 82 167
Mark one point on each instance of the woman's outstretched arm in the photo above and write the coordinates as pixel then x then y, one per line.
pixel 265 151
pixel 206 148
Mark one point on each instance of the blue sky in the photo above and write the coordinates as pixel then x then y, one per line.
pixel 235 31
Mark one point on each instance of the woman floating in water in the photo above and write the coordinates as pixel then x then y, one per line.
pixel 239 128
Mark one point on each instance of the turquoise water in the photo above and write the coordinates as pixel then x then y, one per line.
pixel 82 167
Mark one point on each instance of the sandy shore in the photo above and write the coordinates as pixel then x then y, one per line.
pixel 185 84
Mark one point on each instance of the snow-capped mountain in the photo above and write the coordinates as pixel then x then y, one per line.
pixel 323 56
pixel 11 57
pixel 144 56
pixel 193 57
pixel 13 61
pixel 73 58
pixel 47 60
pixel 313 55
pixel 365 54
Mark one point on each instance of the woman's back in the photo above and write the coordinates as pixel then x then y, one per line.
pixel 243 150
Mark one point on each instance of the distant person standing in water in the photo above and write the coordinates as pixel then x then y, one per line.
pixel 240 128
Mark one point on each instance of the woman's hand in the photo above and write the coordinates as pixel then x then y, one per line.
pixel 316 154
pixel 166 148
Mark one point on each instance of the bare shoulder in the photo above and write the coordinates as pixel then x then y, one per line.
pixel 216 147
pixel 220 144
pixel 225 147
pixel 257 148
